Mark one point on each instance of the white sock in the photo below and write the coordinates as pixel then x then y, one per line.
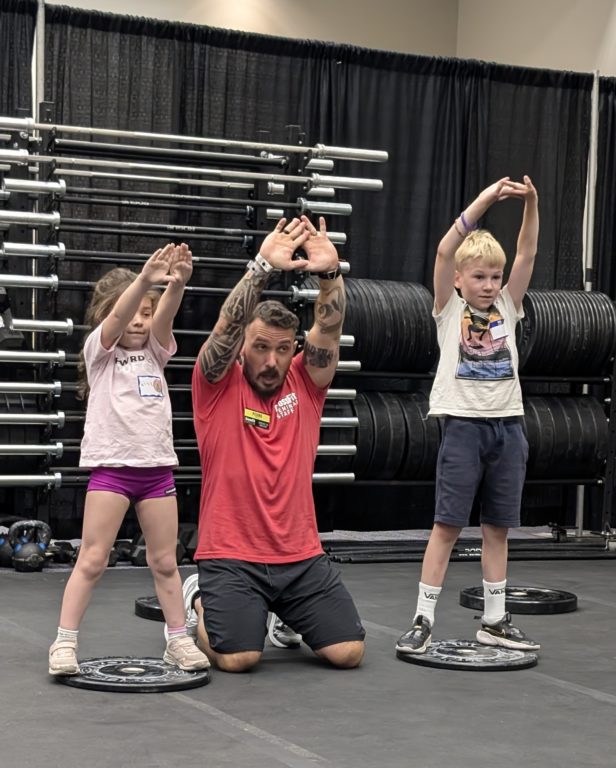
pixel 67 634
pixel 493 601
pixel 174 632
pixel 426 601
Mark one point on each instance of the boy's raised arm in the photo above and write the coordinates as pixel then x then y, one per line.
pixel 524 262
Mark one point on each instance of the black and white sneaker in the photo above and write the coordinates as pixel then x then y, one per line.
pixel 281 635
pixel 506 635
pixel 417 639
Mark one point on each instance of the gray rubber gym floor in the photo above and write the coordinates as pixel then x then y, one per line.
pixel 295 712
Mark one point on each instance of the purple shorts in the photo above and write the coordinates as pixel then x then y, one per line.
pixel 136 483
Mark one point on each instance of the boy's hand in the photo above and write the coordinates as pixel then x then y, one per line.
pixel 181 265
pixel 527 190
pixel 505 188
pixel 500 190
pixel 156 268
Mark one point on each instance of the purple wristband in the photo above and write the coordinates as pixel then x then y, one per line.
pixel 465 224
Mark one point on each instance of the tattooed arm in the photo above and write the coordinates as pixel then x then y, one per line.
pixel 222 348
pixel 322 345
pixel 225 342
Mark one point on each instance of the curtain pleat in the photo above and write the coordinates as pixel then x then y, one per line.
pixel 450 126
pixel 17 22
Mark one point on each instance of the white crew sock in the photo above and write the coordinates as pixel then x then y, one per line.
pixel 174 632
pixel 493 601
pixel 67 634
pixel 426 601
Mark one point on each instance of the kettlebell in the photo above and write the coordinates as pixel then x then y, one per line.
pixel 6 552
pixel 29 539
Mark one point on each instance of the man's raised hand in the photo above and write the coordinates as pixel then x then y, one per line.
pixel 280 245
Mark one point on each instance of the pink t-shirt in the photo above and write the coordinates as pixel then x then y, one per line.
pixel 128 420
pixel 257 459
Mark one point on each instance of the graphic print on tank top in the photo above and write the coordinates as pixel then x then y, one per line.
pixel 483 351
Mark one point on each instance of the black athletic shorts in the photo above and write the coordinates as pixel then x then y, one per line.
pixel 307 595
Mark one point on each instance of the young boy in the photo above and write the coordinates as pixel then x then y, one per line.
pixel 477 392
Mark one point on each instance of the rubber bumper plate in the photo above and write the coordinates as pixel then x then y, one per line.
pixel 149 608
pixel 524 600
pixel 124 674
pixel 470 655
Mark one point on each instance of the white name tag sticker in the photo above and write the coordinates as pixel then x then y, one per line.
pixel 497 329
pixel 150 386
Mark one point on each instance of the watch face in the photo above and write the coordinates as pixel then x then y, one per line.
pixel 332 275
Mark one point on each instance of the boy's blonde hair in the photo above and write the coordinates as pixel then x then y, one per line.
pixel 480 245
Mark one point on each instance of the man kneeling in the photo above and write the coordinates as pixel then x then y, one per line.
pixel 257 411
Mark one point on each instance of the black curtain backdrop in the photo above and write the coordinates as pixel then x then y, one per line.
pixel 17 22
pixel 450 126
pixel 605 216
pixel 539 123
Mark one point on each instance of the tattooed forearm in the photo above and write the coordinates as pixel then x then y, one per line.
pixel 222 347
pixel 329 309
pixel 220 351
pixel 242 300
pixel 318 357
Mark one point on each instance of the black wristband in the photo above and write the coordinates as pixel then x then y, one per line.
pixel 330 275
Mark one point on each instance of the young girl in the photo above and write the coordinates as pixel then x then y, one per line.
pixel 128 443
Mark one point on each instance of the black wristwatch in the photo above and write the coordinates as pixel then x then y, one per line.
pixel 330 275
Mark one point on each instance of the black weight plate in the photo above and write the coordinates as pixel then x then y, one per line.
pixel 405 337
pixel 123 674
pixel 382 330
pixel 368 348
pixel 389 435
pixel 364 436
pixel 422 438
pixel 524 600
pixel 426 351
pixel 336 436
pixel 541 434
pixel 525 333
pixel 470 655
pixel 149 608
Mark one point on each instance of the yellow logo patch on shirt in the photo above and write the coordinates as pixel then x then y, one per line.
pixel 256 418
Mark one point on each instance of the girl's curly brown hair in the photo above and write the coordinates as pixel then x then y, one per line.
pixel 106 293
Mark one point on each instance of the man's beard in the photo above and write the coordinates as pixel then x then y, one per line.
pixel 261 386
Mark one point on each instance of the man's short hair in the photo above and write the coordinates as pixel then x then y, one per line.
pixel 276 314
pixel 480 245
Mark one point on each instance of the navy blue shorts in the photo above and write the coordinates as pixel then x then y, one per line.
pixel 307 595
pixel 484 458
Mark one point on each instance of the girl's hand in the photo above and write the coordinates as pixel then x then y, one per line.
pixel 181 266
pixel 156 268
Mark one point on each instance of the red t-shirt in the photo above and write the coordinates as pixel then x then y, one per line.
pixel 257 459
